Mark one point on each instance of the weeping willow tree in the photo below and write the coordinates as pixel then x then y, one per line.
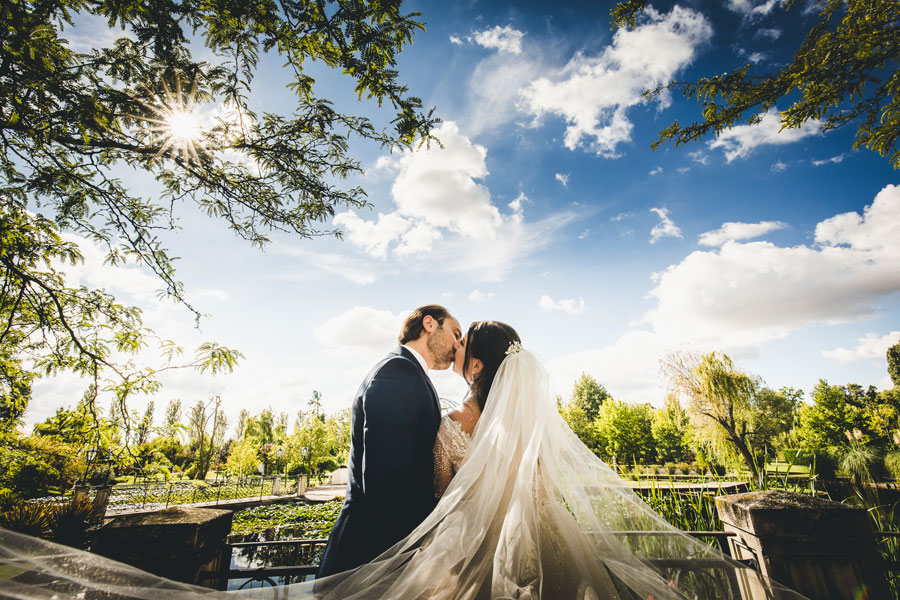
pixel 732 410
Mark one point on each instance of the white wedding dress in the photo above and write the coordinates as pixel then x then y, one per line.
pixel 450 450
pixel 530 513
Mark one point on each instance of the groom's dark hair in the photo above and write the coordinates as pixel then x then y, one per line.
pixel 413 326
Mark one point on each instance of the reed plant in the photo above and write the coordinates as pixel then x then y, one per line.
pixel 693 510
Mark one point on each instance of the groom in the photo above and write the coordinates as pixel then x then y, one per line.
pixel 396 414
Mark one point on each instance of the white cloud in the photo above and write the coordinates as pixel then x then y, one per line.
pixel 517 204
pixel 593 93
pixel 361 327
pixel 563 179
pixel 740 140
pixel 656 171
pixel 437 185
pixel 737 298
pixel 572 306
pixel 386 163
pixel 479 296
pixel 493 88
pixel 455 40
pixel 437 197
pixel 699 156
pixel 621 217
pixel 749 293
pixel 212 293
pixel 418 240
pixel 373 237
pixel 869 347
pixel 731 232
pixel 491 259
pixel 778 167
pixel 683 170
pixel 337 264
pixel 584 234
pixel 629 368
pixel 128 278
pixel 771 33
pixel 91 31
pixel 833 160
pixel 752 8
pixel 665 228
pixel 756 57
pixel 502 39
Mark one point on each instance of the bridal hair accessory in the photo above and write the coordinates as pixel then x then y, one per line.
pixel 514 348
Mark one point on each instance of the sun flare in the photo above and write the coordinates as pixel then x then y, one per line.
pixel 184 126
pixel 175 127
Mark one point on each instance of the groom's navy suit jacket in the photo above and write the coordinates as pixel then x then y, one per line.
pixel 395 418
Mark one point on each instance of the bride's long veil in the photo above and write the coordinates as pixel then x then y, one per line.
pixel 532 513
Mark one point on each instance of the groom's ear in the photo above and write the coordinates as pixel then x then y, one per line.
pixel 428 323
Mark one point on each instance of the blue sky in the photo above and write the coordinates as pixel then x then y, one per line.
pixel 547 209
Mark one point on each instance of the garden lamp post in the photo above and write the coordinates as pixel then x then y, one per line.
pixel 279 453
pixel 89 457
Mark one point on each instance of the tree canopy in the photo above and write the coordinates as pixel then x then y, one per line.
pixel 72 120
pixel 846 71
pixel 589 396
pixel 893 361
pixel 729 409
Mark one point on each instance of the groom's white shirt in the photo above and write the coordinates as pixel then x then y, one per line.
pixel 419 358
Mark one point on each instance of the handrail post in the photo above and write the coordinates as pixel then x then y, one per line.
pixel 819 548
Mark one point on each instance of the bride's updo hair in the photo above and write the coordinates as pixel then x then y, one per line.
pixel 487 341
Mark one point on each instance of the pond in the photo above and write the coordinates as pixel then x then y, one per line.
pixel 277 523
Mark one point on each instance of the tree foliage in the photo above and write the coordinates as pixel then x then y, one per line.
pixel 893 362
pixel 588 395
pixel 625 432
pixel 731 411
pixel 843 415
pixel 846 71
pixel 669 427
pixel 72 120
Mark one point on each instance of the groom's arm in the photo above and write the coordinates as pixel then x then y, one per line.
pixel 392 405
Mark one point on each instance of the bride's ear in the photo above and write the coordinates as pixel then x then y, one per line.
pixel 477 367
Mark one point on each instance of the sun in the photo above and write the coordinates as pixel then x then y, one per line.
pixel 183 127
pixel 175 127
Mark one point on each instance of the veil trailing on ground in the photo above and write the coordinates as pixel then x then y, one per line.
pixel 532 513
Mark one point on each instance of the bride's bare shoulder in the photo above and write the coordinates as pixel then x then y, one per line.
pixel 466 415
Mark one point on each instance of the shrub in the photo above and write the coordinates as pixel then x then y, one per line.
pixel 718 470
pixel 823 464
pixel 797 456
pixel 892 464
pixel 68 522
pixel 101 475
pixel 327 466
pixel 30 518
pixel 8 498
pixel 669 468
pixel 683 467
pixel 33 479
pixel 857 463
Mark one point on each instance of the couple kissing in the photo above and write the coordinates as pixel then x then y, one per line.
pixel 403 455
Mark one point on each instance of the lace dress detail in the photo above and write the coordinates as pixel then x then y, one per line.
pixel 450 449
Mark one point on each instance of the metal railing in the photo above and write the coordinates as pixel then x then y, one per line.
pixel 310 548
pixel 150 494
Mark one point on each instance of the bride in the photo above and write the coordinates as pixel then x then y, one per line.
pixel 526 511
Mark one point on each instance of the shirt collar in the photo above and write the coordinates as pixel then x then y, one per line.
pixel 418 356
